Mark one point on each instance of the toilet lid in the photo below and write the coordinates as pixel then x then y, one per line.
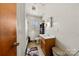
pixel 58 51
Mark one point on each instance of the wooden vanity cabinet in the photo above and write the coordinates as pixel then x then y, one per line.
pixel 46 45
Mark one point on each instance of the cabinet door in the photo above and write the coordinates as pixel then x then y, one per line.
pixel 49 44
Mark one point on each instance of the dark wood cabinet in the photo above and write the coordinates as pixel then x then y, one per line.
pixel 46 45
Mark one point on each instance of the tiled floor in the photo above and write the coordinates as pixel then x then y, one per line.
pixel 34 44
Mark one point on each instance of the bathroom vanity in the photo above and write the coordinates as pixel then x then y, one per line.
pixel 47 42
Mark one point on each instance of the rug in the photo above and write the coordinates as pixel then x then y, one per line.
pixel 33 51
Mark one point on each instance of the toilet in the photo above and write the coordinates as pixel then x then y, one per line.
pixel 58 52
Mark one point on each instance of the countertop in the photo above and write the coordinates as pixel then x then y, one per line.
pixel 47 36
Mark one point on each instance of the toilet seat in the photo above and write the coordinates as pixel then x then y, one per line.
pixel 58 52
